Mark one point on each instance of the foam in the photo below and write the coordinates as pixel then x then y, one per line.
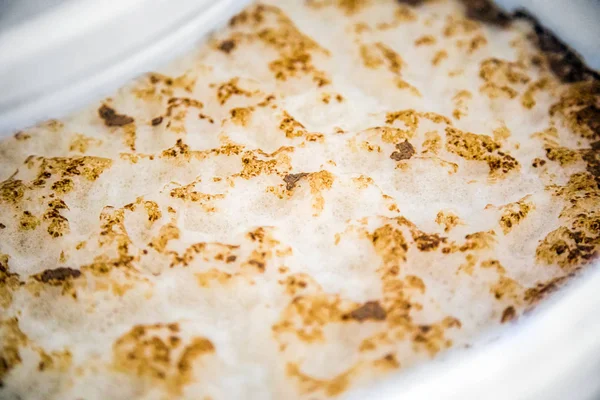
pixel 304 285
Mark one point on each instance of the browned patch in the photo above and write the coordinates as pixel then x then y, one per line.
pixel 12 191
pixel 291 180
pixel 538 162
pixel 230 88
pixel 412 2
pixel 577 242
pixel 81 143
pixel 156 121
pixel 448 220
pixel 241 115
pixel 427 242
pixel 291 126
pixel 9 281
pixel 12 339
pixel 227 46
pixel 508 315
pixel 371 310
pixel 112 118
pixel 57 276
pixel 486 11
pixel 481 148
pixel 28 221
pixel 542 290
pixel 425 40
pixel 579 107
pixel 502 78
pixel 438 57
pixel 564 62
pixel 295 50
pixel 157 354
pixel 514 213
pixel 405 151
pixel 331 387
pixel 58 225
pixel 85 166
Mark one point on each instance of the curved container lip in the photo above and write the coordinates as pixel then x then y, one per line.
pixel 91 48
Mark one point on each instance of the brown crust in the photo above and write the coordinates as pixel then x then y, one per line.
pixel 508 314
pixel 369 310
pixel 405 151
pixel 564 62
pixel 291 180
pixel 58 274
pixel 487 12
pixel 411 2
pixel 227 46
pixel 111 118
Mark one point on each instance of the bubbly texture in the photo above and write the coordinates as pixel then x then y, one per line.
pixel 324 192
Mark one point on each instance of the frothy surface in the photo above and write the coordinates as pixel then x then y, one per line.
pixel 296 208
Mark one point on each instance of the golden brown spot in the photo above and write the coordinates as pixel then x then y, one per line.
pixel 460 100
pixel 294 47
pixel 481 148
pixel 63 186
pixel 12 191
pixel 438 57
pixel 563 155
pixel 166 233
pixel 58 225
pixel 514 213
pixel 149 352
pixel 252 166
pixel 500 77
pixel 500 134
pixel 427 242
pixel 320 181
pixel 425 40
pixel 363 181
pixel 297 283
pixel 308 384
pixel 230 88
pixel 432 143
pixel 9 281
pixel 212 275
pixel 506 287
pixel 241 115
pixel 390 244
pixel 459 26
pixel 291 127
pixel 86 166
pixel 528 98
pixel 28 221
pixel 12 339
pixel 81 143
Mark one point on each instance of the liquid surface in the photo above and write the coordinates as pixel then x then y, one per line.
pixel 324 193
